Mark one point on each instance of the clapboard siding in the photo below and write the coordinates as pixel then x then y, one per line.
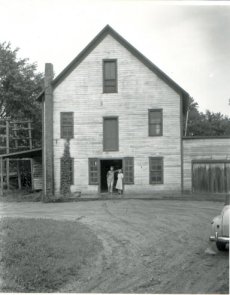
pixel 139 89
pixel 203 149
pixel 37 173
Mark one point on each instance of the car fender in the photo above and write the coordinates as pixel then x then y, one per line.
pixel 225 221
pixel 216 225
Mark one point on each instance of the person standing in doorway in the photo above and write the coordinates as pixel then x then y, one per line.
pixel 119 185
pixel 110 179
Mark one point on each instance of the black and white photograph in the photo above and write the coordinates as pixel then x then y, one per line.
pixel 114 146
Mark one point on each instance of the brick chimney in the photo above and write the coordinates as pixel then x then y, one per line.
pixel 47 134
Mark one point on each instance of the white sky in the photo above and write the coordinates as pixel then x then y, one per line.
pixel 190 42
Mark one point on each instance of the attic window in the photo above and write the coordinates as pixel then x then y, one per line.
pixel 109 76
pixel 66 124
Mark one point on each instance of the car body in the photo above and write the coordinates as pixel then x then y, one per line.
pixel 220 229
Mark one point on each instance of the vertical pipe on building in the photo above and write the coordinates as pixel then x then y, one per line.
pixel 186 120
pixel 47 136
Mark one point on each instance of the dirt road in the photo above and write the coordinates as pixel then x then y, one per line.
pixel 149 246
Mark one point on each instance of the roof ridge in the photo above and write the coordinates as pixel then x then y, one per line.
pixel 96 40
pixel 86 51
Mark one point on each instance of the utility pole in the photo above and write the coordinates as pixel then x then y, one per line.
pixel 1 175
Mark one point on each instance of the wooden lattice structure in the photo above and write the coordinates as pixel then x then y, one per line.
pixel 15 137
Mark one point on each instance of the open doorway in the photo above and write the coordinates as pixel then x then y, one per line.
pixel 105 166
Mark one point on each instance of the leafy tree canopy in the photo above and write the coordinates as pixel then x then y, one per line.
pixel 206 124
pixel 20 84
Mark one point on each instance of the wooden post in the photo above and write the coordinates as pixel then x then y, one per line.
pixel 16 147
pixel 19 175
pixel 7 151
pixel 3 135
pixel 30 135
pixel 32 175
pixel 15 134
pixel 1 175
pixel 7 137
pixel 8 173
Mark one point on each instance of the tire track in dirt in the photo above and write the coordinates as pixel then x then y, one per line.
pixel 148 246
pixel 119 257
pixel 157 258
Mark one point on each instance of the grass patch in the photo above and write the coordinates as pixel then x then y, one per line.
pixel 21 196
pixel 41 255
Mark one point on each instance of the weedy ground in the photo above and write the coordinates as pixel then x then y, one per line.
pixel 41 255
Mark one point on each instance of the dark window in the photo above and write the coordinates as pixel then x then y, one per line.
pixel 67 170
pixel 109 76
pixel 129 170
pixel 155 123
pixel 67 125
pixel 93 171
pixel 155 170
pixel 110 134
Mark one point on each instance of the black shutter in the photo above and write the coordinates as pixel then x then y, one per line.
pixel 93 171
pixel 128 170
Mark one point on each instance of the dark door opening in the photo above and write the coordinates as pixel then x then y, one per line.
pixel 20 175
pixel 105 166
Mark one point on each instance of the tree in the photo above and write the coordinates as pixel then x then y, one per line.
pixel 20 83
pixel 206 124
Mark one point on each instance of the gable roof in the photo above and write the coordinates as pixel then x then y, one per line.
pixel 89 48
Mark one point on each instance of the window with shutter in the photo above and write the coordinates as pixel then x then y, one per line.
pixel 93 171
pixel 128 170
pixel 155 123
pixel 155 170
pixel 67 125
pixel 109 76
pixel 110 134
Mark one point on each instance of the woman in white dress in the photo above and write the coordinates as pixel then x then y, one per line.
pixel 119 184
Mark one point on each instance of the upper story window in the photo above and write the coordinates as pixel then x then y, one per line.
pixel 155 122
pixel 109 75
pixel 110 134
pixel 67 125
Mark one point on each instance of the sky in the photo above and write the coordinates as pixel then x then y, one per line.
pixel 189 41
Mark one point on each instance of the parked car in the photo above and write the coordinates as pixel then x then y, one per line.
pixel 220 229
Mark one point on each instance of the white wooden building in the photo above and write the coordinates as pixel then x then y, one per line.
pixel 115 108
